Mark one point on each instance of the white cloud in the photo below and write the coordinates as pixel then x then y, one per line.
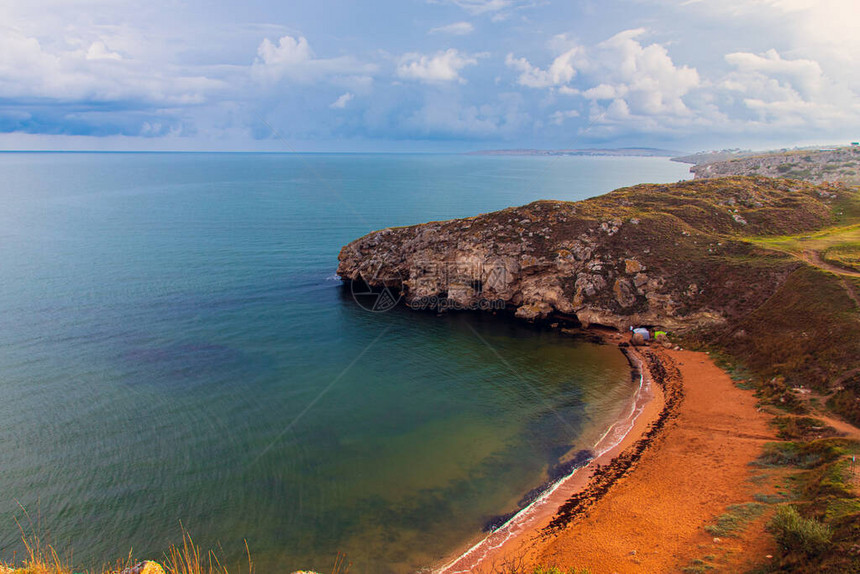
pixel 497 10
pixel 342 101
pixel 442 67
pixel 447 115
pixel 559 117
pixel 734 67
pixel 480 6
pixel 98 51
pixel 455 29
pixel 293 59
pixel 821 30
pixel 803 75
pixel 631 78
pixel 288 52
pixel 560 72
pixel 781 92
pixel 28 70
pixel 644 76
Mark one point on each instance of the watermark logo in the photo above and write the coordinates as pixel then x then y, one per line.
pixel 377 289
pixel 434 285
pixel 441 303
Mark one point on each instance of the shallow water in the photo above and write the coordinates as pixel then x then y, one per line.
pixel 174 346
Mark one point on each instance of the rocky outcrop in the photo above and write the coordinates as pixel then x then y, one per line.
pixel 145 567
pixel 817 166
pixel 668 255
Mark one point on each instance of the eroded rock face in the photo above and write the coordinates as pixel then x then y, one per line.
pixel 634 256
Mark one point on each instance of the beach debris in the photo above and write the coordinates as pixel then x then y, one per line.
pixel 717 540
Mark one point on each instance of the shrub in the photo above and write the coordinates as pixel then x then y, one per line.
pixel 799 535
pixel 802 455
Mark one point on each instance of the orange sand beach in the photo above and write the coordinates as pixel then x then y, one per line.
pixel 661 475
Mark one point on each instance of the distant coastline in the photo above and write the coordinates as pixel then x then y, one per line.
pixel 588 152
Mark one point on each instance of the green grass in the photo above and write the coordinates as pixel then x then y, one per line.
pixel 769 498
pixel 735 519
pixel 796 534
pixel 804 455
pixel 826 239
pixel 759 478
pixel 840 508
pixel 845 255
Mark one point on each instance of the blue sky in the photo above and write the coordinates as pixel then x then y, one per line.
pixel 427 75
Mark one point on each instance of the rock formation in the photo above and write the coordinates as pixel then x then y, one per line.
pixel 668 255
pixel 817 166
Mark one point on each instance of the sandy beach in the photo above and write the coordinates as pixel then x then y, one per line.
pixel 643 503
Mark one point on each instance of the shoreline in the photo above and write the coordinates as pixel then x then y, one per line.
pixel 508 542
pixel 650 507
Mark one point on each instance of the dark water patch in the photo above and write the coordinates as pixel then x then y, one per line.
pixel 555 473
pixel 189 364
pixel 561 470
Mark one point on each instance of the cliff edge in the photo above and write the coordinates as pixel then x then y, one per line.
pixel 668 255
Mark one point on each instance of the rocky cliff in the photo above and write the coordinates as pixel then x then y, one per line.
pixel 667 255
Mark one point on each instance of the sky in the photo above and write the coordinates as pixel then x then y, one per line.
pixel 427 75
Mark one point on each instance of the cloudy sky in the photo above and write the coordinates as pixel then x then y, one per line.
pixel 427 75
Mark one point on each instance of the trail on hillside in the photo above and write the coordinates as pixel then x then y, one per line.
pixel 814 258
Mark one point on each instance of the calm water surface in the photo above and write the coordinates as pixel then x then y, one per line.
pixel 174 347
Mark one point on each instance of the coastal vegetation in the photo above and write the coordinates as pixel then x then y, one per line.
pixel 184 558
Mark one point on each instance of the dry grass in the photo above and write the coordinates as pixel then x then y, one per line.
pixel 188 559
pixel 185 558
pixel 40 559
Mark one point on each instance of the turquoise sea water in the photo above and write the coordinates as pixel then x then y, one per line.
pixel 175 350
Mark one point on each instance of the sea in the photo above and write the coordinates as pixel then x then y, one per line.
pixel 178 356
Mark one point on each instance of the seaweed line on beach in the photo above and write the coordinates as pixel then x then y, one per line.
pixel 666 375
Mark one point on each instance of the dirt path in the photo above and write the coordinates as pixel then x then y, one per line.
pixel 812 257
pixel 653 520
pixel 846 429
